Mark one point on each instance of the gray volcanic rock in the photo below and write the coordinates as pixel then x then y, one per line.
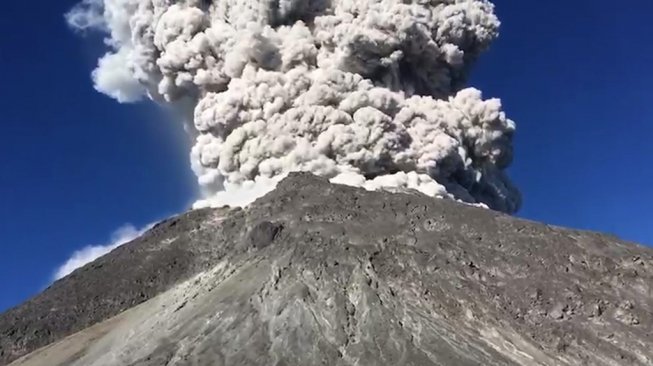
pixel 322 274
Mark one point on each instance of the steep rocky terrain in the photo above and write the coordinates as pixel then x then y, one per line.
pixel 322 274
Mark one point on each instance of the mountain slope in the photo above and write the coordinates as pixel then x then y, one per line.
pixel 322 274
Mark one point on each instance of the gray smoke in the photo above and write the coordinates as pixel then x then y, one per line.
pixel 364 92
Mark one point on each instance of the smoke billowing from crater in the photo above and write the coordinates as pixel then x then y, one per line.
pixel 365 92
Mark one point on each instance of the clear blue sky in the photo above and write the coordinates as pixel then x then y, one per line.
pixel 75 165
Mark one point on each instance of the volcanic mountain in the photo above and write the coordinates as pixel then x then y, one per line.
pixel 316 273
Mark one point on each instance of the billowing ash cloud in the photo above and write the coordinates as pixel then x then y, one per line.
pixel 364 92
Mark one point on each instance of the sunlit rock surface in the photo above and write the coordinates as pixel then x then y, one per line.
pixel 322 274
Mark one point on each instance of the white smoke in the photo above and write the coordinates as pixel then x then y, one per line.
pixel 364 92
pixel 88 254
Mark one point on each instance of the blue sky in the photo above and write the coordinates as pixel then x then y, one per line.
pixel 75 165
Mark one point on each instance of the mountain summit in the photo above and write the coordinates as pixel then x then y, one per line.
pixel 316 273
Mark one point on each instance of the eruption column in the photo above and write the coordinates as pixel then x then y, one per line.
pixel 364 92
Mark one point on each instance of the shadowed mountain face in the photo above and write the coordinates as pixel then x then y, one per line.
pixel 322 274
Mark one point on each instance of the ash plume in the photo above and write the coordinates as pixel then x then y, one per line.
pixel 368 93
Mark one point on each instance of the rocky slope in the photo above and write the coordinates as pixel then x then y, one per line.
pixel 322 274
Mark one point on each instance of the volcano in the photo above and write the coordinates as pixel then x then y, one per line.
pixel 316 273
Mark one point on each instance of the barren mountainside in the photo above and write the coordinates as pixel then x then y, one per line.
pixel 322 274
